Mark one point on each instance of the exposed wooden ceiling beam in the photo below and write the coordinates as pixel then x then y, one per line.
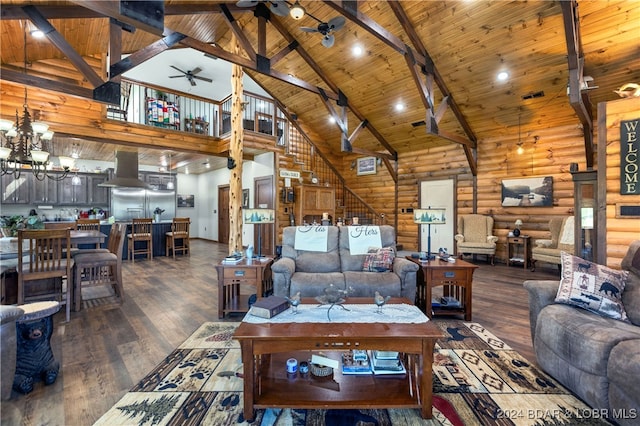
pixel 171 39
pixel 58 41
pixel 237 31
pixel 111 9
pixel 578 98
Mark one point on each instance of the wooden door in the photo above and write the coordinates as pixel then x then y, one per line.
pixel 223 214
pixel 439 193
pixel 264 199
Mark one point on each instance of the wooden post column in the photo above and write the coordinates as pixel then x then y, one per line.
pixel 235 158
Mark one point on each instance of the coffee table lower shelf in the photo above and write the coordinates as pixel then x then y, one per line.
pixel 275 388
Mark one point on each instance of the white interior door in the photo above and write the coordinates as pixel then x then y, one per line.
pixel 438 193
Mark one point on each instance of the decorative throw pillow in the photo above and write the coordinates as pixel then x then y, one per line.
pixel 593 287
pixel 379 259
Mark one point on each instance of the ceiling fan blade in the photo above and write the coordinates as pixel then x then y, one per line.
pixel 309 29
pixel 328 40
pixel 176 68
pixel 279 7
pixel 196 70
pixel 192 81
pixel 337 22
pixel 246 3
pixel 177 76
pixel 203 79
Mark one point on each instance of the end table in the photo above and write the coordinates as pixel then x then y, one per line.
pixel 255 274
pixel 513 247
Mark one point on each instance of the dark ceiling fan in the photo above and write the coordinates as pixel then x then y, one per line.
pixel 191 75
pixel 326 29
pixel 278 7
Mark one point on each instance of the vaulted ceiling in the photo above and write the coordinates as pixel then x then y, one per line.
pixel 440 59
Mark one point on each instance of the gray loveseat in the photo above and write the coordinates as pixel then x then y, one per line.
pixel 597 358
pixel 310 272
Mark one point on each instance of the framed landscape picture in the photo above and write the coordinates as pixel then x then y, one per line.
pixel 528 192
pixel 186 200
pixel 366 166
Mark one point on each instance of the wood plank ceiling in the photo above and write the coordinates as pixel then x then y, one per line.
pixel 468 42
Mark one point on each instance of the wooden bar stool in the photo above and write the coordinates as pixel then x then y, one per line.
pixel 141 232
pixel 88 225
pixel 178 238
pixel 100 267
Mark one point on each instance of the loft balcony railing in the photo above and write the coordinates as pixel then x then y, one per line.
pixel 159 107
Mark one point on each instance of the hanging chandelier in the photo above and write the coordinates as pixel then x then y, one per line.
pixel 24 144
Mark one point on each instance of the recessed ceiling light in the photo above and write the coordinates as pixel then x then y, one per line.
pixel 332 120
pixel 357 50
pixel 399 106
pixel 503 76
pixel 37 34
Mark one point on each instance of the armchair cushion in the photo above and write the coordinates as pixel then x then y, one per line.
pixel 593 287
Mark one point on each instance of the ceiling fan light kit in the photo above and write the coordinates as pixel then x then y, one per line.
pixel 297 11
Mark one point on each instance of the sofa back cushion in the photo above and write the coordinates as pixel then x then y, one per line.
pixel 631 293
pixel 355 262
pixel 312 261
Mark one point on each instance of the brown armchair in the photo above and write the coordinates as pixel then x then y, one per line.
pixel 475 235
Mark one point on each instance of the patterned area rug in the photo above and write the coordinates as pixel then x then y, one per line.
pixel 477 380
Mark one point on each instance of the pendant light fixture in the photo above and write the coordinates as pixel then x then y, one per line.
pixel 170 184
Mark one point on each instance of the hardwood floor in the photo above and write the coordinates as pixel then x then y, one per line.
pixel 106 349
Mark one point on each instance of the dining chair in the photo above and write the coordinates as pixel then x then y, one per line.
pixel 100 267
pixel 88 225
pixel 178 238
pixel 141 232
pixel 49 263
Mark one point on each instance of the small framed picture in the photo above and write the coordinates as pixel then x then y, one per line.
pixel 186 200
pixel 366 166
pixel 245 198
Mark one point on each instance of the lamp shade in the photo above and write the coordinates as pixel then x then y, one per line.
pixel 430 215
pixel 39 156
pixel 258 216
pixel 518 222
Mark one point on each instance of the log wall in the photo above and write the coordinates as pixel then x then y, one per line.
pixel 620 232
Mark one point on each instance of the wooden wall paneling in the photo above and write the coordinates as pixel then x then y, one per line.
pixel 619 232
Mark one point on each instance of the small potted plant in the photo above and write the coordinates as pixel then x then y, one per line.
pixel 156 214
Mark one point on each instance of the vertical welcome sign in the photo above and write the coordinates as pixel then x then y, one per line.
pixel 629 157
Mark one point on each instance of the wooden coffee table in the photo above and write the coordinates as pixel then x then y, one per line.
pixel 266 347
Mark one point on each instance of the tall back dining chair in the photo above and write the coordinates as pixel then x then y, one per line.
pixel 141 233
pixel 88 225
pixel 100 267
pixel 49 263
pixel 178 238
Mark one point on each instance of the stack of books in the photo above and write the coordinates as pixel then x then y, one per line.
pixel 386 362
pixel 232 259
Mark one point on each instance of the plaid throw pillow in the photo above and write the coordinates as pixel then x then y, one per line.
pixel 593 287
pixel 379 259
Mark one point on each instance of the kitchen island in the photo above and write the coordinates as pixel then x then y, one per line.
pixel 159 237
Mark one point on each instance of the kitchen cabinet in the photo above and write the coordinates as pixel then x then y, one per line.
pixel 311 201
pixel 15 191
pixel 158 180
pixel 73 194
pixel 43 191
pixel 98 195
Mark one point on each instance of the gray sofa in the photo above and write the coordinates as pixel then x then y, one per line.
pixel 597 358
pixel 310 272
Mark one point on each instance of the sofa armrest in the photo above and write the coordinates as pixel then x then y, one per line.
pixel 281 272
pixel 407 271
pixel 459 238
pixel 541 293
pixel 544 243
pixel 492 239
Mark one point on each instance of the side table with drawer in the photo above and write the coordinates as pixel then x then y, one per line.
pixel 238 282
pixel 517 244
pixel 456 280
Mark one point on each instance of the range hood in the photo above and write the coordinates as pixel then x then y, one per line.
pixel 126 172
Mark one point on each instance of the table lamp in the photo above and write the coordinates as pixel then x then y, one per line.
pixel 428 217
pixel 258 217
pixel 516 231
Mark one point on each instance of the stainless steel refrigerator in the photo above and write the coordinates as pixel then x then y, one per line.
pixel 133 203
